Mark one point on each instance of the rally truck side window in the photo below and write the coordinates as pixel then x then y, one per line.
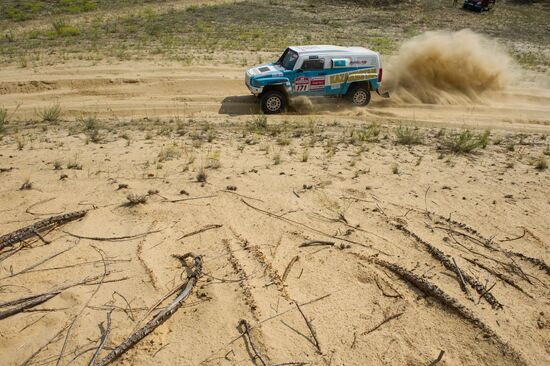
pixel 316 64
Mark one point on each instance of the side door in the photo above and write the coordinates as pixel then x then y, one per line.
pixel 310 77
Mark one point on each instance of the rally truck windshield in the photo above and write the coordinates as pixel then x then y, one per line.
pixel 288 59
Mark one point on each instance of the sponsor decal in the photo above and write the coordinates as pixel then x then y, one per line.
pixel 359 62
pixel 349 77
pixel 317 83
pixel 301 84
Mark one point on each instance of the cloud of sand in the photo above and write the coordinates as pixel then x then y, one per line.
pixel 448 68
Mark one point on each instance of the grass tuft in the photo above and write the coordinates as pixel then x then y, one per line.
pixel 408 136
pixel 465 142
pixel 51 114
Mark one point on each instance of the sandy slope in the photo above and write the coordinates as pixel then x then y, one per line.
pixel 135 90
pixel 351 198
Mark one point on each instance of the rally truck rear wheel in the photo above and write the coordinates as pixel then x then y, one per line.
pixel 273 102
pixel 359 96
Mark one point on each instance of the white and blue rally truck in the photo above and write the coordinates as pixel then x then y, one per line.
pixel 350 72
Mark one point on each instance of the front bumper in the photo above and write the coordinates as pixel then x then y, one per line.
pixel 253 90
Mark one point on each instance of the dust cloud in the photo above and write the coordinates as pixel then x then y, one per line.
pixel 448 68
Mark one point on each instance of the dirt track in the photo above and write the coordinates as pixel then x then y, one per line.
pixel 150 89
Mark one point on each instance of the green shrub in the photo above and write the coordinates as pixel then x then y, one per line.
pixel 369 133
pixel 465 142
pixel 408 136
pixel 62 29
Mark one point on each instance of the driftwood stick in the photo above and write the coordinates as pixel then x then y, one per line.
pixel 390 318
pixel 104 335
pixel 462 282
pixel 312 243
pixel 436 361
pixel 244 324
pixel 201 230
pixel 112 238
pixel 311 329
pixel 42 225
pixel 289 267
pixel 161 317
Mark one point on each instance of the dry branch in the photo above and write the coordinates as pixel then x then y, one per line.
pixel 290 221
pixel 112 238
pixel 432 290
pixel 444 260
pixel 516 238
pixel 436 361
pixel 536 261
pixel 390 318
pixel 42 225
pixel 192 278
pixel 497 274
pixel 28 304
pixel 311 329
pixel 201 230
pixel 244 324
pixel 31 267
pixel 190 199
pixel 22 304
pixel 289 267
pixel 462 282
pixel 104 335
pixel 313 243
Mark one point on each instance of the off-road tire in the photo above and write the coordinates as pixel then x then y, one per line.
pixel 273 102
pixel 358 96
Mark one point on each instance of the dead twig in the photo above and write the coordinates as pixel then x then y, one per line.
pixel 311 329
pixel 462 282
pixel 104 335
pixel 313 243
pixel 289 267
pixel 436 361
pixel 192 278
pixel 112 238
pixel 244 324
pixel 398 295
pixel 516 238
pixel 201 230
pixel 28 210
pixel 27 269
pixel 100 252
pixel 426 202
pixel 486 292
pixel 388 319
pixel 190 199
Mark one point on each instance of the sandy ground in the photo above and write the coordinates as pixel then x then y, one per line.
pixel 497 202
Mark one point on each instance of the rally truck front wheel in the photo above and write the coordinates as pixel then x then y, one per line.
pixel 359 96
pixel 273 102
